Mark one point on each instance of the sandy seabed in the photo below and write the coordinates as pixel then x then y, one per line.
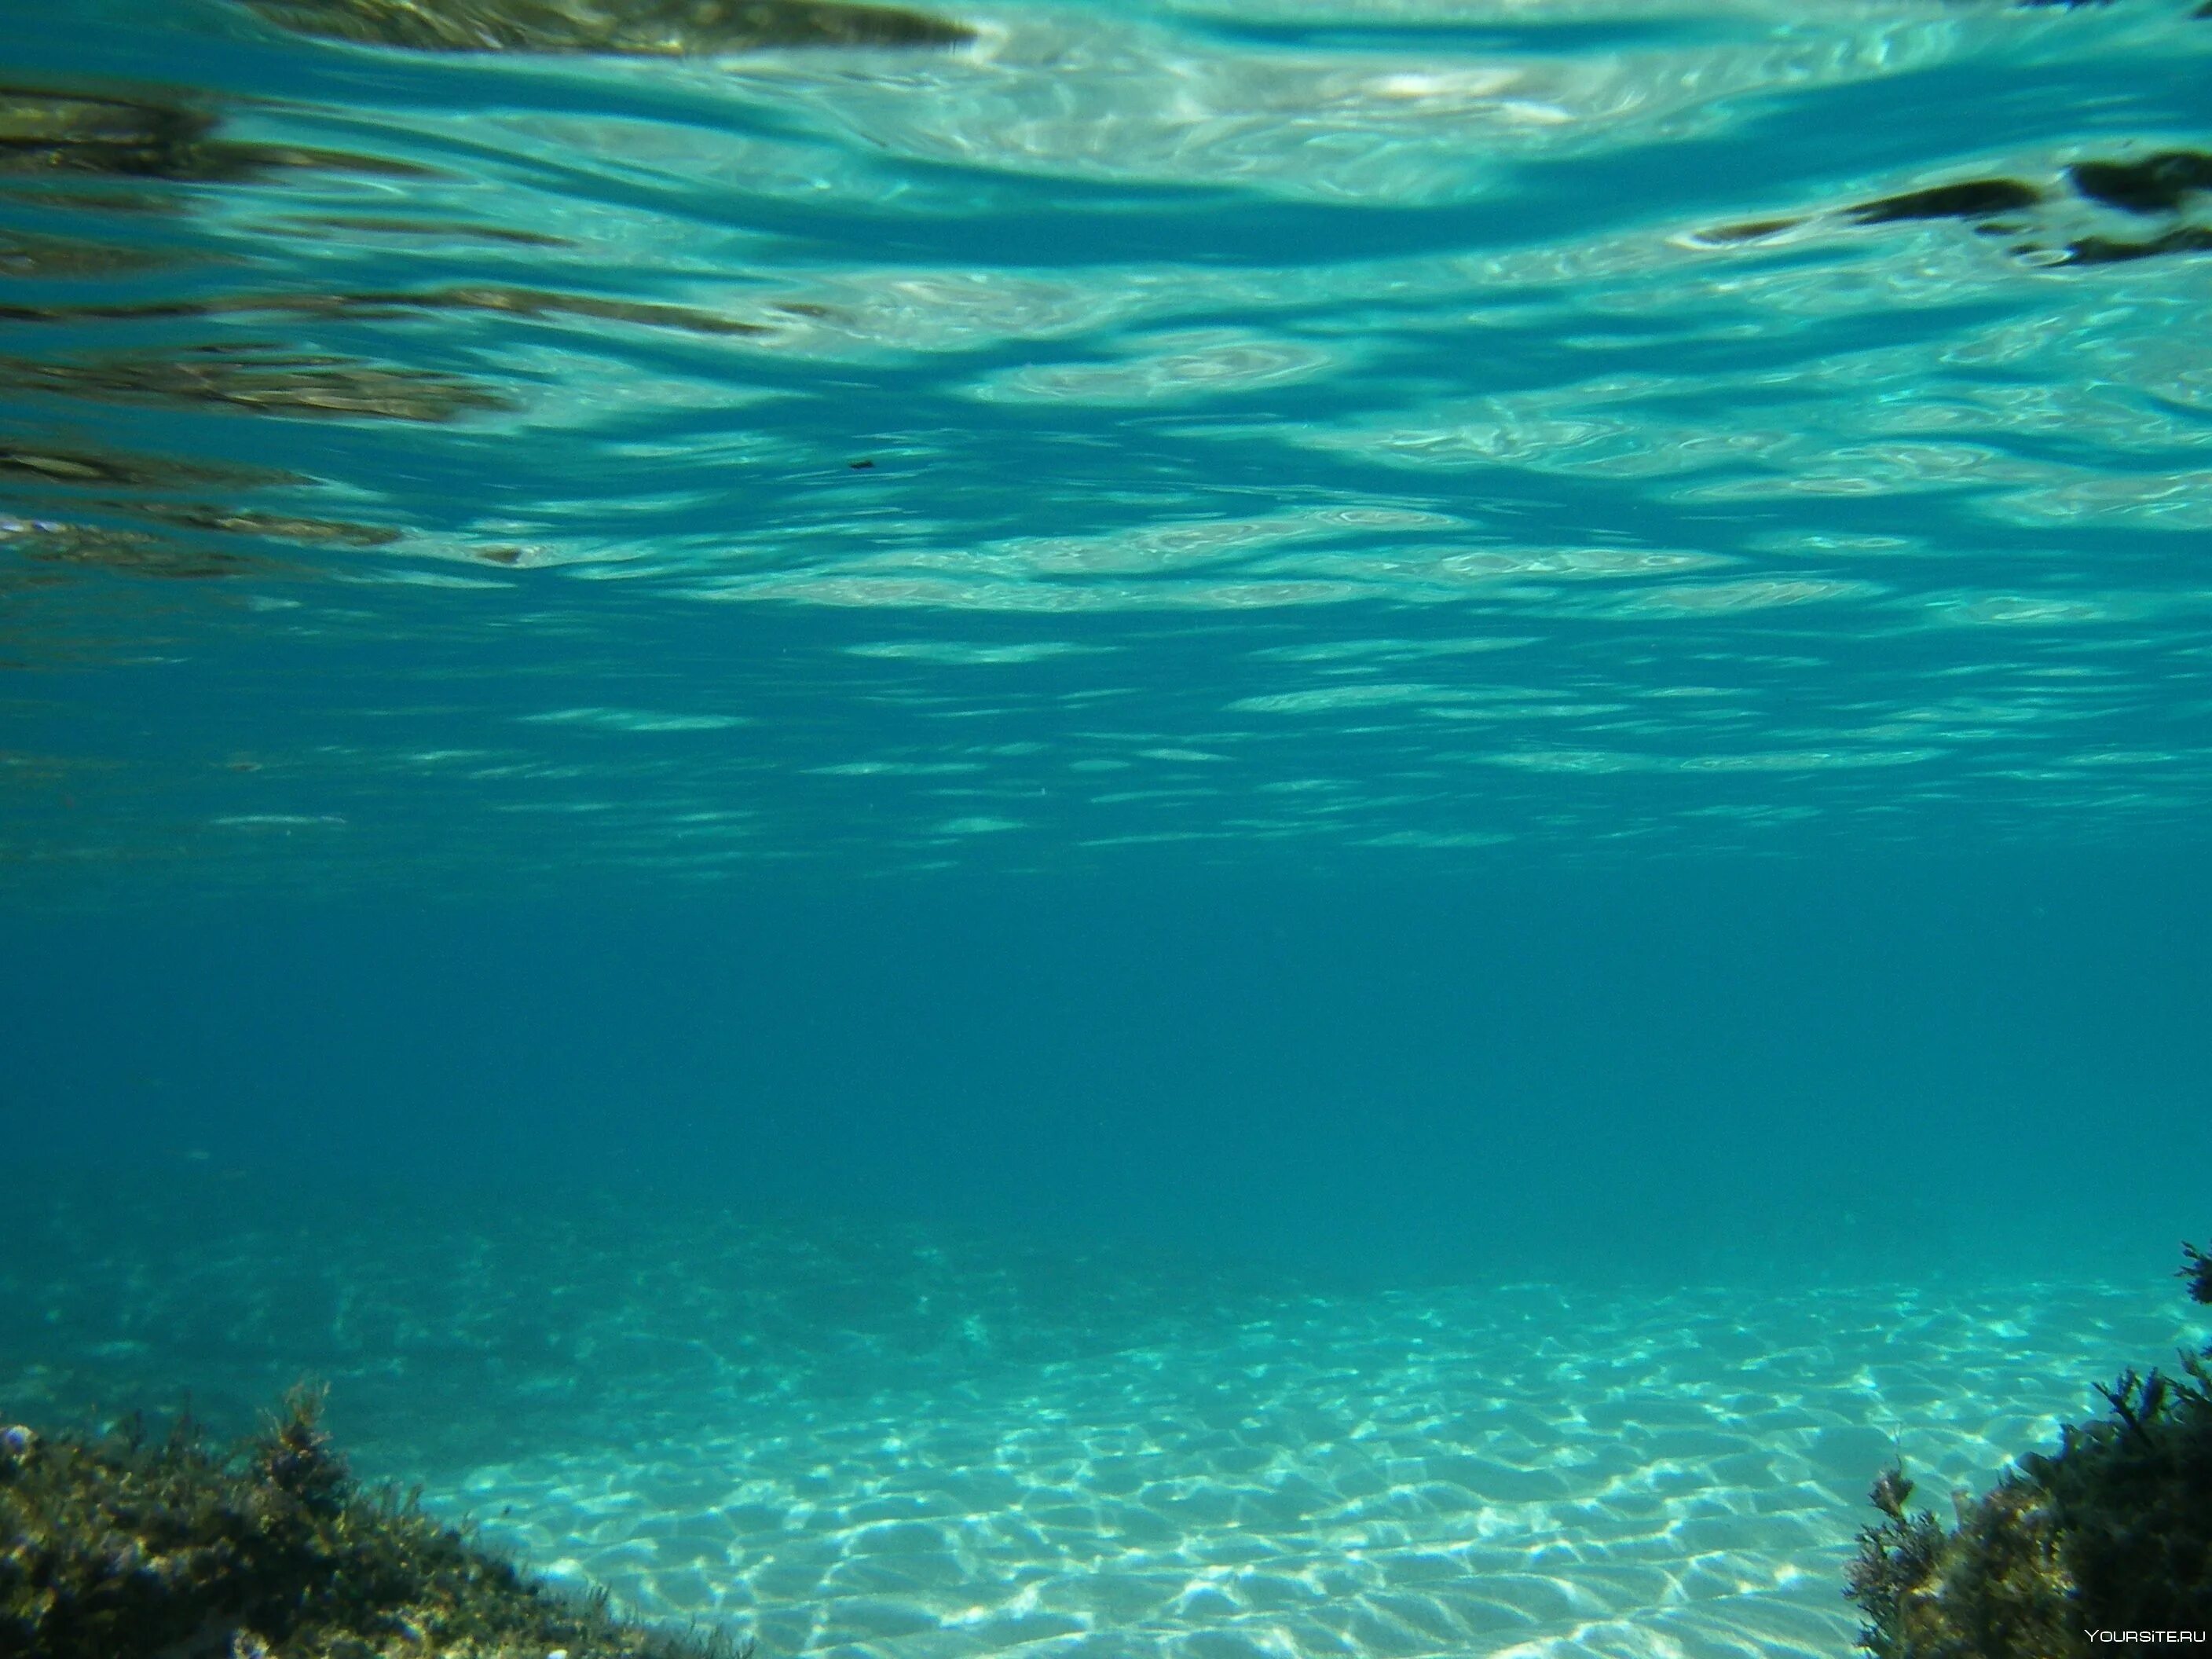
pixel 888 1443
pixel 1457 1472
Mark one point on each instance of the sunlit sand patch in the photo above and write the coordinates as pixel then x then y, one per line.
pixel 1422 1475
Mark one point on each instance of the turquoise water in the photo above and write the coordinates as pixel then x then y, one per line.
pixel 1212 827
pixel 1262 430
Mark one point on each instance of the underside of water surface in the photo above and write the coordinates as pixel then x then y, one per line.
pixel 466 440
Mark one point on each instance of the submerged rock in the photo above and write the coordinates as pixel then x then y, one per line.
pixel 113 1547
pixel 2112 1533
pixel 665 28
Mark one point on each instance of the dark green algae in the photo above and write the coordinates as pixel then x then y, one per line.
pixel 117 1546
pixel 2111 1533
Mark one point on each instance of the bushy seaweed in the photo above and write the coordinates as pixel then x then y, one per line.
pixel 119 1543
pixel 2112 1532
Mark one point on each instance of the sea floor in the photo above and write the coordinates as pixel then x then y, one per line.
pixel 911 1443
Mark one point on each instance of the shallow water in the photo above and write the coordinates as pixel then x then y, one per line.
pixel 901 1440
pixel 1209 828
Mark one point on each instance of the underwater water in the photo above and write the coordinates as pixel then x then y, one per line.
pixel 1199 827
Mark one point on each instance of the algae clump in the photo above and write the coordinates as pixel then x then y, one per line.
pixel 2113 1532
pixel 115 1546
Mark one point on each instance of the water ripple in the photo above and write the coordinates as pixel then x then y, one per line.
pixel 1378 423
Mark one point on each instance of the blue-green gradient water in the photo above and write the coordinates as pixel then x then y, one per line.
pixel 1199 827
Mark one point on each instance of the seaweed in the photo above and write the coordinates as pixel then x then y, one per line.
pixel 2112 1532
pixel 2196 1270
pixel 117 1544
